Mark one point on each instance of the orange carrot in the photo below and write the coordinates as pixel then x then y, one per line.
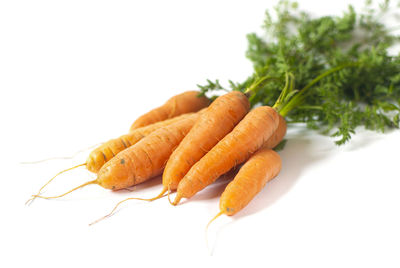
pixel 99 156
pixel 217 120
pixel 186 102
pixel 102 154
pixel 145 159
pixel 236 147
pixel 141 161
pixel 262 167
pixel 278 135
pixel 274 140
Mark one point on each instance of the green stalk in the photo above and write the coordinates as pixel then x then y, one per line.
pixel 260 82
pixel 300 96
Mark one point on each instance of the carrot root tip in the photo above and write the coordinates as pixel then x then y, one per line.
pixel 176 200
pixel 208 225
pixel 162 194
pixel 61 195
pixel 30 200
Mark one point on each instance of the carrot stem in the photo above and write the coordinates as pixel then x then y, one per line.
pixel 300 96
pixel 258 84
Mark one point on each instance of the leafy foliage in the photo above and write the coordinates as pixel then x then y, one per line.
pixel 363 94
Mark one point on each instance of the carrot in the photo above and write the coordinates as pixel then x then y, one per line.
pixel 274 140
pixel 144 160
pixel 217 120
pixel 262 167
pixel 186 102
pixel 141 161
pixel 278 135
pixel 102 154
pixel 236 147
pixel 98 157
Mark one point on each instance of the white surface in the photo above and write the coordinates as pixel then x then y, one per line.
pixel 75 73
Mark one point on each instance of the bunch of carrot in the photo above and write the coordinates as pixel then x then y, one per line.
pixel 192 141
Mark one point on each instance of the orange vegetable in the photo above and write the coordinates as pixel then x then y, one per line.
pixel 99 156
pixel 278 135
pixel 262 167
pixel 102 154
pixel 217 120
pixel 236 147
pixel 141 161
pixel 186 102
pixel 274 140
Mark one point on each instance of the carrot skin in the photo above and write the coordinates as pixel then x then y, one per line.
pixel 217 120
pixel 116 175
pixel 186 102
pixel 278 135
pixel 262 167
pixel 102 154
pixel 236 147
pixel 146 158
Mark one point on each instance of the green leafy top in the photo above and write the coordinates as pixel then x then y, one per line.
pixel 343 62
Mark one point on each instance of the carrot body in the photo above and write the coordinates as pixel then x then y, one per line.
pixel 217 120
pixel 236 147
pixel 263 166
pixel 146 158
pixel 278 135
pixel 186 102
pixel 99 156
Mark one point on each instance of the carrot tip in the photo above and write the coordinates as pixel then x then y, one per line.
pixel 162 194
pixel 60 157
pixel 168 195
pixel 61 195
pixel 30 200
pixel 98 220
pixel 176 200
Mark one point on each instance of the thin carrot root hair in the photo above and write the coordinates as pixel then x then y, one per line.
pixel 162 194
pixel 61 195
pixel 213 219
pixel 208 225
pixel 30 200
pixel 61 157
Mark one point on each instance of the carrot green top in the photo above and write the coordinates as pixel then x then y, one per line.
pixel 337 72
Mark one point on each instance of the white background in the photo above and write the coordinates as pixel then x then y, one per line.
pixel 76 73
